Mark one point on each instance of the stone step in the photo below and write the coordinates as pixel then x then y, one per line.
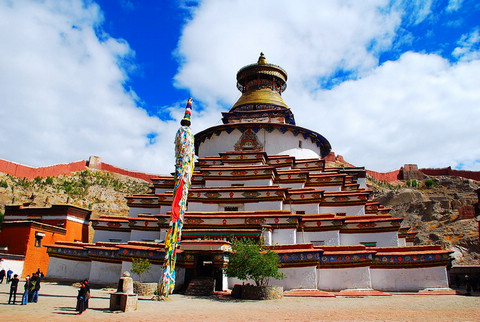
pixel 201 287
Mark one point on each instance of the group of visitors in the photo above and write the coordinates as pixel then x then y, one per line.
pixel 31 288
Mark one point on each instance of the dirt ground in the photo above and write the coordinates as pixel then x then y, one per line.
pixel 57 303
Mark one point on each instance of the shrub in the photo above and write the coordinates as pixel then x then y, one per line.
pixel 430 183
pixel 251 260
pixel 140 266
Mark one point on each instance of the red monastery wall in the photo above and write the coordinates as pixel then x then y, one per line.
pixel 474 175
pixel 23 171
pixel 391 176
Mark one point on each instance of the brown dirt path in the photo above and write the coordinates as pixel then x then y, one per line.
pixel 57 303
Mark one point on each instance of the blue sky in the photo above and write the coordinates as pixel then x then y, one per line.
pixel 386 82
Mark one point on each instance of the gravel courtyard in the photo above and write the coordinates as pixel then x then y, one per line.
pixel 57 303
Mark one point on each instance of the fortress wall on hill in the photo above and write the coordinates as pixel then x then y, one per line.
pixel 138 175
pixel 23 171
pixel 474 175
pixel 391 176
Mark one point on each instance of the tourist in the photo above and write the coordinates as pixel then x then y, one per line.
pixel 26 292
pixel 87 294
pixel 35 287
pixel 82 298
pixel 2 275
pixel 9 275
pixel 13 288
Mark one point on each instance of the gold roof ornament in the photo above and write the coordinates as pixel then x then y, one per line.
pixel 261 85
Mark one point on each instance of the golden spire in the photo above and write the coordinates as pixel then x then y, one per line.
pixel 262 60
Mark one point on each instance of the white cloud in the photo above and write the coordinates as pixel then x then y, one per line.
pixel 454 5
pixel 62 97
pixel 420 109
pixel 469 46
pixel 62 94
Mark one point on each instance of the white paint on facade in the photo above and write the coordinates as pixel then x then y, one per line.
pixel 153 275
pixel 274 143
pixel 15 265
pixel 336 279
pixel 67 269
pixel 284 236
pixel 246 183
pixel 145 235
pixel 105 273
pixel 308 208
pixel 384 239
pixel 297 278
pixel 409 279
pixel 317 238
pixel 347 210
pixel 111 236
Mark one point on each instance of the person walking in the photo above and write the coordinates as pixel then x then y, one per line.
pixel 26 287
pixel 13 288
pixel 2 275
pixel 9 275
pixel 82 298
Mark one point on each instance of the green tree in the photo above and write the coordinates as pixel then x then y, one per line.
pixel 140 266
pixel 252 260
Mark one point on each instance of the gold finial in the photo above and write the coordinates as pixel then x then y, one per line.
pixel 262 60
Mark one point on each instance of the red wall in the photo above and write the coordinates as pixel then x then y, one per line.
pixel 387 176
pixel 23 171
pixel 474 175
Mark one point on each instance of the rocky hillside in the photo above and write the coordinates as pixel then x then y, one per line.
pixel 102 192
pixel 433 208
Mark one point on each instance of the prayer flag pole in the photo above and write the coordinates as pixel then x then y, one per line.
pixel 184 164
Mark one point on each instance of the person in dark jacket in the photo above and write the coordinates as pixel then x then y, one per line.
pixel 26 287
pixel 82 298
pixel 13 288
pixel 35 287
pixel 2 275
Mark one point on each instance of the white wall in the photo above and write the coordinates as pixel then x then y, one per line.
pixel 15 265
pixel 309 208
pixel 284 236
pixel 348 210
pixel 385 239
pixel 135 211
pixel 409 279
pixel 264 205
pixel 274 143
pixel 267 237
pixel 246 183
pixel 105 273
pixel 297 278
pixel 68 269
pixel 336 279
pixel 330 237
pixel 106 235
pixel 153 275
pixel 144 235
pixel 402 242
pixel 362 182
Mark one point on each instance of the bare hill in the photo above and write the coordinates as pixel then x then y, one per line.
pixel 436 209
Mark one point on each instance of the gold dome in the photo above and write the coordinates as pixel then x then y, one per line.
pixel 261 84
